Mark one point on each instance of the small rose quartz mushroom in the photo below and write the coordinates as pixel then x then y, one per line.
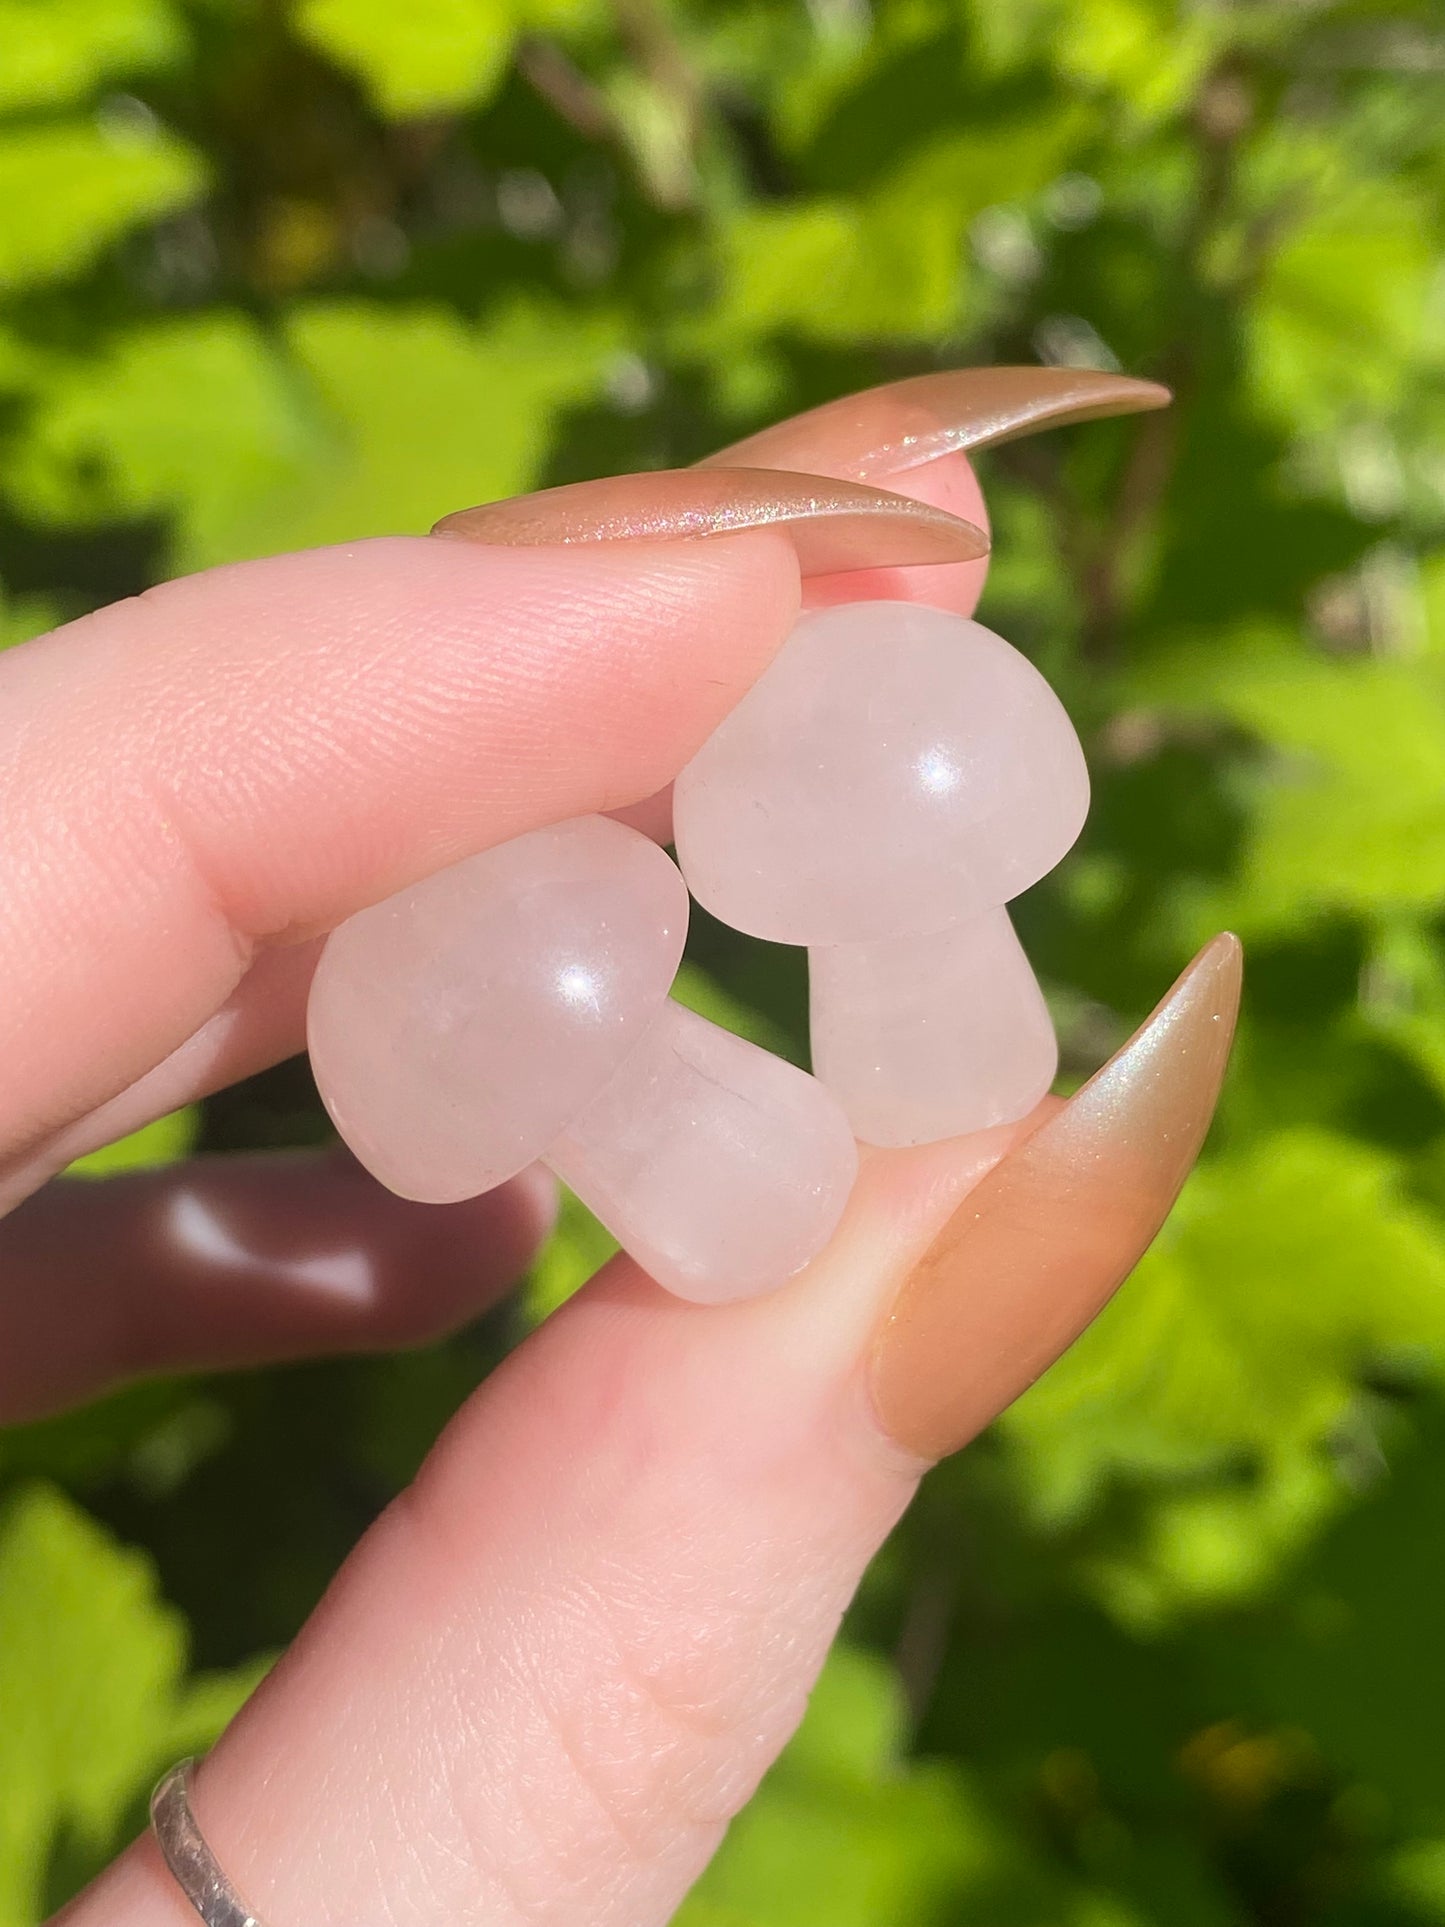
pixel 895 778
pixel 515 1007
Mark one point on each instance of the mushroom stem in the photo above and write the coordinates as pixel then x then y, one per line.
pixel 720 1167
pixel 922 1038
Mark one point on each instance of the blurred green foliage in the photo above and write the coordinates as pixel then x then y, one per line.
pixel 1162 1650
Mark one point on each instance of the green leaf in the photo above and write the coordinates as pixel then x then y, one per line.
pixel 839 271
pixel 426 57
pixel 1349 812
pixel 1404 995
pixel 421 414
pixel 1417 1876
pixel 435 56
pixel 1149 55
pixel 150 1436
pixel 18 364
pixel 1350 306
pixel 1008 161
pixel 23 617
pixel 1286 1273
pixel 254 450
pixel 71 188
pixel 889 264
pixel 161 1142
pixel 697 990
pixel 846 1831
pixel 92 1682
pixel 196 418
pixel 57 51
pixel 1350 1651
pixel 577 1247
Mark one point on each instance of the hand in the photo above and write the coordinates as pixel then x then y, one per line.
pixel 560 1662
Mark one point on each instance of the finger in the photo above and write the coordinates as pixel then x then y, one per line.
pixel 950 484
pixel 947 483
pixel 910 432
pixel 248 756
pixel 913 435
pixel 241 1261
pixel 262 1022
pixel 826 441
pixel 829 527
pixel 554 1671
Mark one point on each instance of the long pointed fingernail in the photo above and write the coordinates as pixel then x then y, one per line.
pixel 1039 1245
pixel 902 425
pixel 834 526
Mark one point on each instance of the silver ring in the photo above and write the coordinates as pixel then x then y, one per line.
pixel 184 1848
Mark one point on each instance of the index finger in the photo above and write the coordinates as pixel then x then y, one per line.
pixel 246 756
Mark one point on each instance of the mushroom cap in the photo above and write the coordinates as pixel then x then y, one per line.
pixel 896 770
pixel 458 1027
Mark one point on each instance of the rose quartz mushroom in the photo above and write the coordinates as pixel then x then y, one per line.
pixel 515 1007
pixel 896 776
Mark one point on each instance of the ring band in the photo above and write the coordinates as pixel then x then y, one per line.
pixel 184 1848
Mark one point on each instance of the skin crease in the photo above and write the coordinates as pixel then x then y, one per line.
pixel 564 1657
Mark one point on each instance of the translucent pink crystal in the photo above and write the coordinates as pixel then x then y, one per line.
pixel 896 777
pixel 515 1007
pixel 720 1167
pixel 897 769
pixel 927 1037
pixel 457 1027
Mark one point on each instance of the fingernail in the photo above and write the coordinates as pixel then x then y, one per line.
pixel 902 425
pixel 834 526
pixel 1040 1245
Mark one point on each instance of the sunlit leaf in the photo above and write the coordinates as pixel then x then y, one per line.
pixel 695 989
pixel 1150 53
pixel 158 1143
pixel 194 418
pixel 577 1247
pixel 56 51
pixel 255 449
pixel 1350 304
pixel 1348 811
pixel 420 414
pixel 1286 1273
pixel 838 271
pixel 70 188
pixel 93 1686
pixel 432 54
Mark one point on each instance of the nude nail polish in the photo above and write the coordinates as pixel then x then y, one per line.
pixel 903 424
pixel 834 526
pixel 1039 1246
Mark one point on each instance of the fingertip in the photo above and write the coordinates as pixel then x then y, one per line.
pixel 951 484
